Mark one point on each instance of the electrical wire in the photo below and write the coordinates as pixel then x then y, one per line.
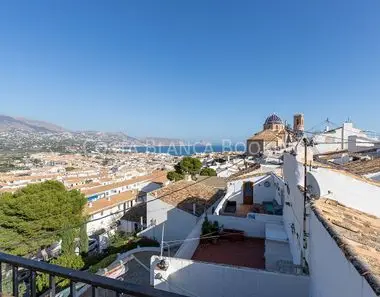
pixel 179 287
pixel 57 232
pixel 165 280
pixel 200 237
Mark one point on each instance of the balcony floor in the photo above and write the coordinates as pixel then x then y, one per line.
pixel 247 253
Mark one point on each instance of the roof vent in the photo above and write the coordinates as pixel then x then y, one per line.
pixel 90 204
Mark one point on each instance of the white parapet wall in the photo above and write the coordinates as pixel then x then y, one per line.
pixel 331 274
pixel 251 227
pixel 189 246
pixel 346 189
pixel 193 278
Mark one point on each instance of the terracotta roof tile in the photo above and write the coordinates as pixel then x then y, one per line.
pixel 268 135
pixel 363 166
pixel 356 233
pixel 109 202
pixel 183 194
pixel 95 190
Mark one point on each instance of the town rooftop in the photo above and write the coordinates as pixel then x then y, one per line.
pixel 356 233
pixel 184 194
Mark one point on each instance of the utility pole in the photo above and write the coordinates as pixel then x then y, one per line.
pixel 162 239
pixel 303 260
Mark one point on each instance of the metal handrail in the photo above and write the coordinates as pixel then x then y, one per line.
pixel 77 276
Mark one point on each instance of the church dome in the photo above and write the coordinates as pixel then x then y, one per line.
pixel 273 119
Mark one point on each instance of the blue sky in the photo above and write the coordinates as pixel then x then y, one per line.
pixel 190 69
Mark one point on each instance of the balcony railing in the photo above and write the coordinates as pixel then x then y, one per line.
pixel 95 282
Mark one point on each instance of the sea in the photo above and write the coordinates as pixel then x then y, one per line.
pixel 187 150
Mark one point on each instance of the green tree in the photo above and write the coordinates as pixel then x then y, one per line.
pixel 68 241
pixel 208 172
pixel 174 176
pixel 83 240
pixel 34 216
pixel 69 261
pixel 188 165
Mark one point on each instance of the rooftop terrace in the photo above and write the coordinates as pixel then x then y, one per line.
pixel 247 252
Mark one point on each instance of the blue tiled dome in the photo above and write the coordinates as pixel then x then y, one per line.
pixel 273 119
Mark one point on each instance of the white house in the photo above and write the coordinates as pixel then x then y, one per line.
pixel 360 143
pixel 336 139
pixel 326 246
pixel 252 255
pixel 105 212
pixel 179 206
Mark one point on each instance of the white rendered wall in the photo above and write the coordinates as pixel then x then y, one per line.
pixel 357 143
pixel 276 251
pixel 110 216
pixel 251 227
pixel 188 247
pixel 178 223
pixel 260 192
pixel 350 191
pixel 293 212
pixel 337 139
pixel 331 274
pixel 193 278
pixel 279 189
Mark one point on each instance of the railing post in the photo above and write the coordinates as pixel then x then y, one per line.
pixel 52 285
pixel 15 281
pixel 32 283
pixel 73 292
pixel 94 291
pixel 1 277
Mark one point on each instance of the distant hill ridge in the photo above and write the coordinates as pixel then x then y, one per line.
pixel 8 123
pixel 11 124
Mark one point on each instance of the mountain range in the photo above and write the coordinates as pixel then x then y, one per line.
pixel 10 124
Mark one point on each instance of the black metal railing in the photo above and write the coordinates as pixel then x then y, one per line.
pixel 96 282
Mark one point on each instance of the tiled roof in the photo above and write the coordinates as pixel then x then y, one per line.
pixel 268 135
pixel 331 155
pixel 95 190
pixel 114 200
pixel 27 177
pixel 183 194
pixel 213 181
pixel 161 178
pixel 135 213
pixel 89 185
pixel 363 167
pixel 247 171
pixel 356 233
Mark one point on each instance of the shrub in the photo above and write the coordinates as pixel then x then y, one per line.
pixel 209 227
pixel 208 172
pixel 105 262
pixel 174 176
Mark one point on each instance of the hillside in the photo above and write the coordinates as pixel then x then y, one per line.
pixel 8 124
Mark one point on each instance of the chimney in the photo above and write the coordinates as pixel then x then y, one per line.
pixel 90 204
